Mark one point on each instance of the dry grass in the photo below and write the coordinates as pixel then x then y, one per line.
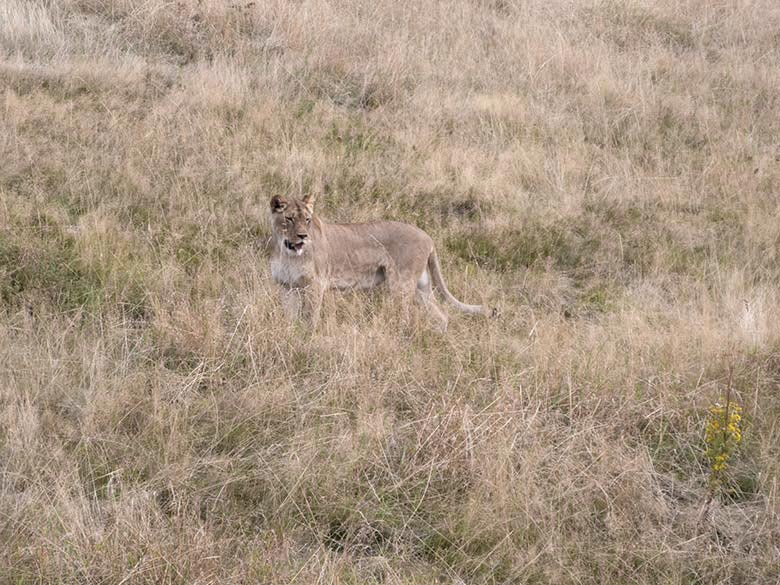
pixel 606 171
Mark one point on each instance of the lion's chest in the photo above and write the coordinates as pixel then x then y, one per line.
pixel 294 274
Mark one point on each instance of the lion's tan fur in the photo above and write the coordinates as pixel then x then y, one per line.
pixel 310 256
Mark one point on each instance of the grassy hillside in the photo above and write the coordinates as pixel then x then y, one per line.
pixel 606 172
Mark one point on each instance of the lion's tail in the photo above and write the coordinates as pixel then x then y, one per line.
pixel 438 280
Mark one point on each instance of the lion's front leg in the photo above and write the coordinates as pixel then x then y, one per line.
pixel 292 302
pixel 312 303
pixel 303 303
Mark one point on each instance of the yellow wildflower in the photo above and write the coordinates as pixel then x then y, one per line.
pixel 722 435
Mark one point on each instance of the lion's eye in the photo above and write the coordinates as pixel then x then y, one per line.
pixel 308 220
pixel 288 219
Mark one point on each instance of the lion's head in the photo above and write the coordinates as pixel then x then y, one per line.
pixel 291 222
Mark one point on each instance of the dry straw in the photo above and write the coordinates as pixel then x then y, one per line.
pixel 604 171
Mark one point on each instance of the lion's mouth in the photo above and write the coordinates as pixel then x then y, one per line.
pixel 297 248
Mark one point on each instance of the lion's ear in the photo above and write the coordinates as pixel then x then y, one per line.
pixel 278 204
pixel 308 201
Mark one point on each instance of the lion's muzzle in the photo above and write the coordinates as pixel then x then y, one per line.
pixel 295 247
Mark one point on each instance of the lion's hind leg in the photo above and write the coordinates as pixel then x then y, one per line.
pixel 425 297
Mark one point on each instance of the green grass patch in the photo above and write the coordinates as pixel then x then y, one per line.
pixel 631 26
pixel 348 89
pixel 513 247
pixel 45 266
pixel 354 136
pixel 597 298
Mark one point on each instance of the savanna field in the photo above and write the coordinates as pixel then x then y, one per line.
pixel 606 173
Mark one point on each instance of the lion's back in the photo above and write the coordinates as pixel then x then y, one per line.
pixel 406 246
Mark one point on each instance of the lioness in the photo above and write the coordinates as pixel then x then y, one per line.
pixel 310 255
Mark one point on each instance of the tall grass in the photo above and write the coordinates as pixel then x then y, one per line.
pixel 606 172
